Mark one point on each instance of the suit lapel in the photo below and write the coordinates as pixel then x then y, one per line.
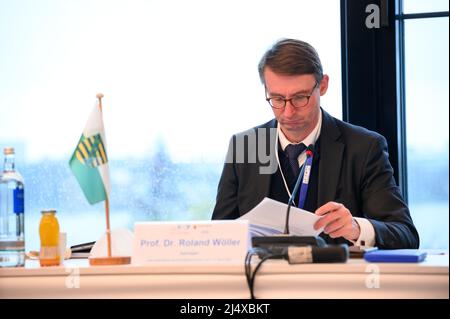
pixel 330 164
pixel 263 180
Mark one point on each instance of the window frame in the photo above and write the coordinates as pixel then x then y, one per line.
pixel 375 99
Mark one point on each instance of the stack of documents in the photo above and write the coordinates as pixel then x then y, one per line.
pixel 269 218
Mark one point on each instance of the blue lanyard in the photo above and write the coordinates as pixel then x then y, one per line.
pixel 305 179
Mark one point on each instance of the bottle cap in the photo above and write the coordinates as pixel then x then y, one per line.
pixel 48 211
pixel 8 150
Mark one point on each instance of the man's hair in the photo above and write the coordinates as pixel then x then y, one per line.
pixel 291 57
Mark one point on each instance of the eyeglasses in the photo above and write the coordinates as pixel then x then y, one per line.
pixel 299 100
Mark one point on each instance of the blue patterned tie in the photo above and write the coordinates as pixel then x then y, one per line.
pixel 292 151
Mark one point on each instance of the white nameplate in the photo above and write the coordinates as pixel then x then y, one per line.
pixel 190 241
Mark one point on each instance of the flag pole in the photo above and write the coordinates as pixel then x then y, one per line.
pixel 109 260
pixel 108 230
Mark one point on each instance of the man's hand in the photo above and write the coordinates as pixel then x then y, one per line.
pixel 338 221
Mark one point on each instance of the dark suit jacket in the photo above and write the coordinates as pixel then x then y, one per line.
pixel 354 169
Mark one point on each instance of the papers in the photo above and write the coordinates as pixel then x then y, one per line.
pixel 121 244
pixel 269 218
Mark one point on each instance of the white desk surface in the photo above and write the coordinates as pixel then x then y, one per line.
pixel 276 279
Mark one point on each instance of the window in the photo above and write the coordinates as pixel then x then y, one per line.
pixel 426 104
pixel 420 6
pixel 179 78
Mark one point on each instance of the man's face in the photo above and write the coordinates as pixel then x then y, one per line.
pixel 296 122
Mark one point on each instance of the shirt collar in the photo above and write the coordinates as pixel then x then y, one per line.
pixel 310 139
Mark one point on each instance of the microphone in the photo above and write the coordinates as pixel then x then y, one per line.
pixel 311 254
pixel 279 244
pixel 309 153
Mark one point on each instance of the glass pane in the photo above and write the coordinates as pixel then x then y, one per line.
pixel 167 70
pixel 421 6
pixel 427 105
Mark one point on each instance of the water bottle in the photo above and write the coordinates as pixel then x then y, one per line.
pixel 12 223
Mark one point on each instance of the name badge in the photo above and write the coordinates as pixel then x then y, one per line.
pixel 190 241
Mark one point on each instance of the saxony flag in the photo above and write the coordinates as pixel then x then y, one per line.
pixel 89 162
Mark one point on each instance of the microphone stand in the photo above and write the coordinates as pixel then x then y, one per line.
pixel 279 244
pixel 291 199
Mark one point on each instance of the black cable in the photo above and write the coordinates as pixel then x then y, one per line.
pixel 300 254
pixel 251 277
pixel 248 260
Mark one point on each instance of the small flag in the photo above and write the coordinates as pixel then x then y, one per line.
pixel 89 162
pixel 91 151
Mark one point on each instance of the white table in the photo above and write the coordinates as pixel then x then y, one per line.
pixel 276 279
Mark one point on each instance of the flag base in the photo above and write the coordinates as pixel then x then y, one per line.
pixel 105 261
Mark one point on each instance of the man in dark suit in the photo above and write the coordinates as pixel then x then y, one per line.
pixel 350 182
